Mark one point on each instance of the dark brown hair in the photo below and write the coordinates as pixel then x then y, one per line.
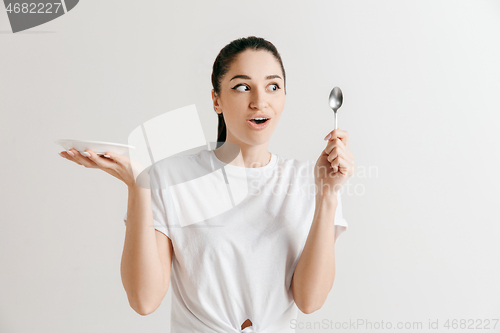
pixel 223 62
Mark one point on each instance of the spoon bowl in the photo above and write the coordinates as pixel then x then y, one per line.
pixel 335 100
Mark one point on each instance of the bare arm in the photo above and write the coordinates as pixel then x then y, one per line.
pixel 315 271
pixel 147 255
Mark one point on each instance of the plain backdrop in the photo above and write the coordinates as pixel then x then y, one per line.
pixel 421 82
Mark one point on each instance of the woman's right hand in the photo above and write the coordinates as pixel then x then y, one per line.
pixel 119 166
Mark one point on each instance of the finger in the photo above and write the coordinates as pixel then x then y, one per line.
pixel 335 164
pixel 343 166
pixel 82 159
pixel 331 144
pixel 339 161
pixel 345 149
pixel 69 157
pixel 340 164
pixel 343 152
pixel 341 134
pixel 335 145
pixel 118 158
pixel 333 154
pixel 341 148
pixel 347 170
pixel 101 161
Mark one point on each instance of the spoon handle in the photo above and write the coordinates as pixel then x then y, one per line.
pixel 335 127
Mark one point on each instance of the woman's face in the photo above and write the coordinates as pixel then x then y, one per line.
pixel 252 87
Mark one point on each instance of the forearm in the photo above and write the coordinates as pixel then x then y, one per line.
pixel 315 271
pixel 141 269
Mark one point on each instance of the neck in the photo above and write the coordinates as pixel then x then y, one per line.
pixel 243 155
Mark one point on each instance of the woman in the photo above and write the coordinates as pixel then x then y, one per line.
pixel 244 269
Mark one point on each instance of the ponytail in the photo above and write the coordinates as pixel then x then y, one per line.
pixel 221 131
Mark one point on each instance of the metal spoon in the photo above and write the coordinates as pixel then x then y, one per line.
pixel 335 101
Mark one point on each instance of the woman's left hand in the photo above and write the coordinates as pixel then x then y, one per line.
pixel 334 165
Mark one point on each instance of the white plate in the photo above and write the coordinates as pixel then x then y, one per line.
pixel 97 146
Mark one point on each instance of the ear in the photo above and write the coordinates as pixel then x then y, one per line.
pixel 215 100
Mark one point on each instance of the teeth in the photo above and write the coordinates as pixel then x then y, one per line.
pixel 259 118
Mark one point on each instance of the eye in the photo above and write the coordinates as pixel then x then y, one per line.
pixel 244 86
pixel 237 86
pixel 277 87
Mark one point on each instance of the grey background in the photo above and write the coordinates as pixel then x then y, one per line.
pixel 421 86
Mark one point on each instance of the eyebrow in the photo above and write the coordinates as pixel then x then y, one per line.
pixel 269 77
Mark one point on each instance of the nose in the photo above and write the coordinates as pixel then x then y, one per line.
pixel 259 100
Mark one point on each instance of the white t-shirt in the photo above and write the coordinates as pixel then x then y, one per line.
pixel 237 235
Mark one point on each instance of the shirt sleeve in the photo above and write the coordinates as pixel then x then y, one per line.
pixel 158 195
pixel 340 222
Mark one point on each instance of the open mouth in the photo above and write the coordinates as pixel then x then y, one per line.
pixel 259 120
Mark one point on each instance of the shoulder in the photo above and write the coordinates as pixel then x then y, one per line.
pixel 179 167
pixel 294 166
